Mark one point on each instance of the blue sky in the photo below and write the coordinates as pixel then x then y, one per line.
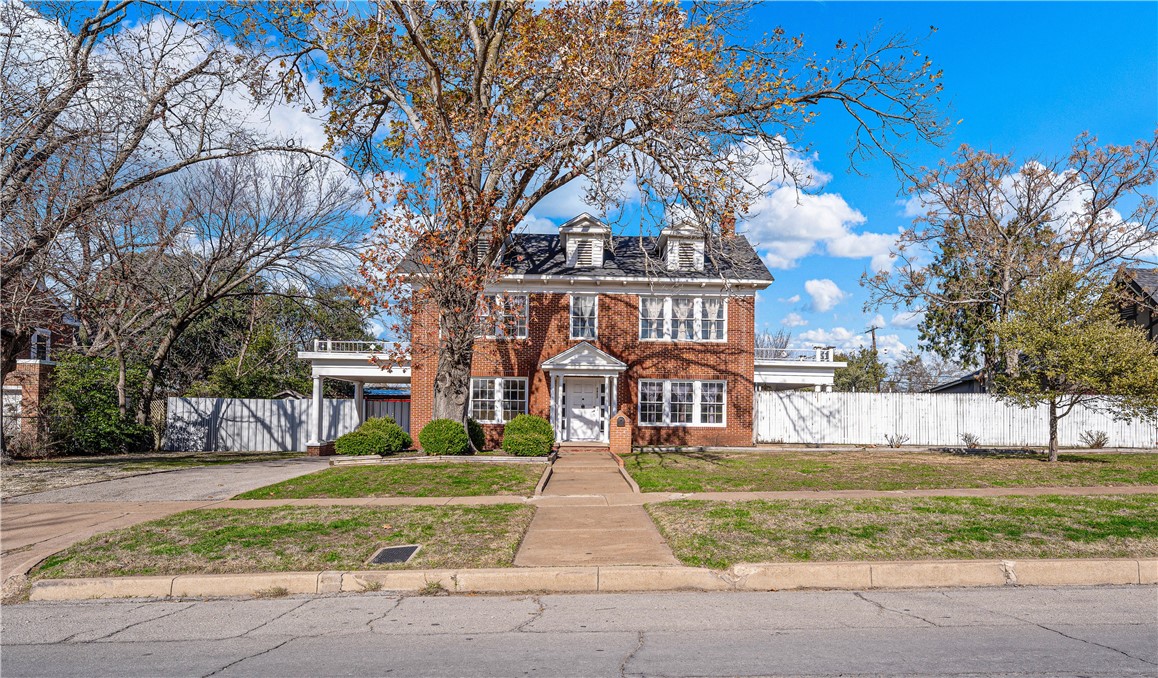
pixel 1020 77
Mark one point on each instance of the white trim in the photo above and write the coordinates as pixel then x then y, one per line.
pixel 669 319
pixel 500 399
pixel 697 403
pixel 571 316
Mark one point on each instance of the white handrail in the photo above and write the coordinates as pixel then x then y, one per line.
pixel 820 354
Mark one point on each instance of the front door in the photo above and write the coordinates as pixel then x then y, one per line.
pixel 582 409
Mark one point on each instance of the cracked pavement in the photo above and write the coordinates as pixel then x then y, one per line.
pixel 1095 631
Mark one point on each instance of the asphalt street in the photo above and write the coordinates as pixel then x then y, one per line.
pixel 1097 631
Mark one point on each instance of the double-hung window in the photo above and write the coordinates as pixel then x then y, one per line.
pixel 651 318
pixel 683 318
pixel 497 400
pixel 584 316
pixel 678 402
pixel 503 315
pixel 712 319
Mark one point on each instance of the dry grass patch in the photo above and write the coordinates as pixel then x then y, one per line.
pixel 298 538
pixel 720 534
pixel 881 470
pixel 407 480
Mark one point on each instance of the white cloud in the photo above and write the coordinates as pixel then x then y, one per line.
pixel 535 224
pixel 907 319
pixel 786 225
pixel 877 246
pixel 825 294
pixel 794 299
pixel 793 320
pixel 847 340
pixel 878 320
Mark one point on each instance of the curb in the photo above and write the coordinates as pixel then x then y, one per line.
pixel 543 480
pixel 742 577
pixel 378 460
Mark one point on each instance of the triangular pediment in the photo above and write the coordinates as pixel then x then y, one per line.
pixel 583 357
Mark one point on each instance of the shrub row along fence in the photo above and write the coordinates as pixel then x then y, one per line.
pixel 929 419
pixel 251 424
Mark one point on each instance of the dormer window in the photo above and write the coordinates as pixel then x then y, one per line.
pixel 682 248
pixel 585 253
pixel 584 238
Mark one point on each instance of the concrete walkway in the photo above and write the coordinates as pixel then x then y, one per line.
pixel 583 532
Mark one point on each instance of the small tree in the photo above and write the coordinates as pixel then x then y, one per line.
pixel 864 371
pixel 1074 349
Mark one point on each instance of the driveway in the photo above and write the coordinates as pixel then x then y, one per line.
pixel 34 526
pixel 204 483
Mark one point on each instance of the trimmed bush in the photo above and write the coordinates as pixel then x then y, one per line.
pixel 477 437
pixel 528 436
pixel 444 436
pixel 377 424
pixel 396 438
pixel 361 442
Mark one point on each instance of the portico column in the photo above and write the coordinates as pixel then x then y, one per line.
pixel 359 401
pixel 316 414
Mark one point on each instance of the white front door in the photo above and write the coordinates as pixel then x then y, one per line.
pixel 582 409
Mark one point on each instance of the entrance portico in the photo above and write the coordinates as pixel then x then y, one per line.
pixel 584 387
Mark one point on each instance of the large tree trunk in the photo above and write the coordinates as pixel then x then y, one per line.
pixel 455 352
pixel 1053 418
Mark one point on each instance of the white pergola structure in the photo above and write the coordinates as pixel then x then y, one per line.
pixel 358 362
pixel 787 369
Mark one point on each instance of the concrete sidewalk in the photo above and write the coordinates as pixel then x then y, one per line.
pixel 579 533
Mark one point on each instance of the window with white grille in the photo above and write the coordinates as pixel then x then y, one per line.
pixel 584 316
pixel 664 402
pixel 651 318
pixel 683 318
pixel 503 316
pixel 497 400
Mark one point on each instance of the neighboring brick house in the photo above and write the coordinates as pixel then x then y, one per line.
pixel 590 324
pixel 26 387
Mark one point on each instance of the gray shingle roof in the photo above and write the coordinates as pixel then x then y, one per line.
pixel 534 254
pixel 1147 279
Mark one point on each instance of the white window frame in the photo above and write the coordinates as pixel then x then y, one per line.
pixel 500 399
pixel 571 318
pixel 697 403
pixel 491 326
pixel 668 333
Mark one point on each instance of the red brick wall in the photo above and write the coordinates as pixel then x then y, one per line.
pixel 548 330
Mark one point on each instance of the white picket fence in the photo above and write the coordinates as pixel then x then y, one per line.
pixel 928 419
pixel 220 424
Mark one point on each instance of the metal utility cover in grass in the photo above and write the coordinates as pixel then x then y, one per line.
pixel 388 555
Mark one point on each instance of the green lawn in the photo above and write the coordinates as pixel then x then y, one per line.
pixel 407 480
pixel 881 470
pixel 720 534
pixel 291 538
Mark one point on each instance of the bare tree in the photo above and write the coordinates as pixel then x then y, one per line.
pixel 245 226
pixel 96 101
pixel 991 227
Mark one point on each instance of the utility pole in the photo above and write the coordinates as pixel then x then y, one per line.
pixel 872 330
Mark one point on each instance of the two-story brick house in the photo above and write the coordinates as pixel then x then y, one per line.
pixel 590 324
